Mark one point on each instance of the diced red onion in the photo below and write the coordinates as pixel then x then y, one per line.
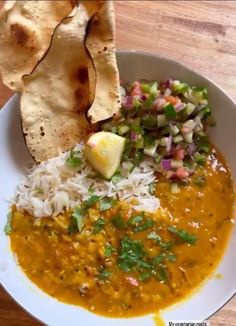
pixel 179 106
pixel 127 102
pixel 167 92
pixel 191 149
pixel 143 97
pixel 166 164
pixel 133 281
pixel 133 136
pixel 159 103
pixel 169 143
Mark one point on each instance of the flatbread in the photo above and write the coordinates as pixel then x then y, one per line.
pixel 101 46
pixel 26 28
pixel 57 95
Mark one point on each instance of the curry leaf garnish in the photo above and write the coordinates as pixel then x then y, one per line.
pixel 106 203
pixel 119 222
pixel 183 235
pixel 99 225
pixel 73 159
pixel 8 227
pixel 109 250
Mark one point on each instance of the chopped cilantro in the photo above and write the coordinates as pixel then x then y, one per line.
pixel 135 220
pixel 109 250
pixel 163 274
pixel 8 227
pixel 73 159
pixel 78 217
pixel 99 225
pixel 170 257
pixel 200 181
pixel 106 203
pixel 148 223
pixel 158 259
pixel 104 274
pixel 119 222
pixel 131 255
pixel 144 276
pixel 154 236
pixel 117 177
pixel 183 235
pixel 167 245
pixel 152 188
pixel 92 200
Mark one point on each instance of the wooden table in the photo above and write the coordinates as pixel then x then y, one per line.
pixel 201 34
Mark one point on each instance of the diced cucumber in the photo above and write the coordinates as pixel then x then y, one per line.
pixel 188 137
pixel 175 164
pixel 190 108
pixel 195 96
pixel 179 87
pixel 161 120
pixel 151 149
pixel 157 158
pixel 190 124
pixel 174 188
pixel 139 143
pixel 122 130
pixel 154 89
pixel 178 139
pixel 164 141
pixel 174 130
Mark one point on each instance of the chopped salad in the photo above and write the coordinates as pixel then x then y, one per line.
pixel 165 121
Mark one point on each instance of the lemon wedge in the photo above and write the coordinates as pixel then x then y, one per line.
pixel 104 151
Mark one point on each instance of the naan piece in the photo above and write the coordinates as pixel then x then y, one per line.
pixel 26 29
pixel 57 94
pixel 101 46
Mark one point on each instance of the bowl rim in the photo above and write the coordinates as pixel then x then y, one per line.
pixel 167 59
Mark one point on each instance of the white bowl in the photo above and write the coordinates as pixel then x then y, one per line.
pixel 13 164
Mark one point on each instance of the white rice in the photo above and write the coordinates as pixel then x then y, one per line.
pixel 52 187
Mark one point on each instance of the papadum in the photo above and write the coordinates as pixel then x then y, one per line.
pixel 26 29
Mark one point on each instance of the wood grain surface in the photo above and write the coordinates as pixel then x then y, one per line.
pixel 201 34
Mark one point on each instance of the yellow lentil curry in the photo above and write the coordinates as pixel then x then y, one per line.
pixel 125 263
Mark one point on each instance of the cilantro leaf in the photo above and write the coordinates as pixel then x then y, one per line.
pixel 73 159
pixel 117 177
pixel 152 188
pixel 104 274
pixel 132 255
pixel 170 257
pixel 148 223
pixel 119 222
pixel 135 220
pixel 109 250
pixel 106 203
pixel 92 200
pixel 163 274
pixel 77 221
pixel 8 227
pixel 99 225
pixel 183 235
pixel 154 236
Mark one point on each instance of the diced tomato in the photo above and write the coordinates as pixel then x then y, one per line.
pixel 136 90
pixel 179 154
pixel 173 100
pixel 182 173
